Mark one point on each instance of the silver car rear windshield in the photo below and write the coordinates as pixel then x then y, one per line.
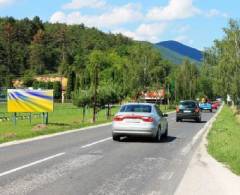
pixel 136 108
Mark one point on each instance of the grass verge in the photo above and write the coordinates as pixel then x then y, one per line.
pixel 224 139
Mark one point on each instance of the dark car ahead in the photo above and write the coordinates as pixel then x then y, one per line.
pixel 188 109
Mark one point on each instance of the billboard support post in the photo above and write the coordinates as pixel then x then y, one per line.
pixel 15 118
pixel 30 118
pixel 45 118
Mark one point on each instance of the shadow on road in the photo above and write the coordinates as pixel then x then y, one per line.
pixel 168 139
pixel 147 140
pixel 191 121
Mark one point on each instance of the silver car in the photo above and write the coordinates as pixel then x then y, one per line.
pixel 140 119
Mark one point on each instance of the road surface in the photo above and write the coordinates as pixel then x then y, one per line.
pixel 89 162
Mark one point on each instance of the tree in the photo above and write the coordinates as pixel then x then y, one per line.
pixel 57 88
pixel 70 84
pixel 82 98
pixel 37 53
pixel 224 59
pixel 187 81
pixel 96 64
pixel 107 94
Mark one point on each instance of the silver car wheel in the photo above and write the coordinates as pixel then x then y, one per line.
pixel 159 135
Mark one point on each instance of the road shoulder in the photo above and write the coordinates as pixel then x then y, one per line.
pixel 207 176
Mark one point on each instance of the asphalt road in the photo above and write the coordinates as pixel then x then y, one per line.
pixel 89 162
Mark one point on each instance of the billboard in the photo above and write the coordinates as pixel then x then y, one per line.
pixel 26 100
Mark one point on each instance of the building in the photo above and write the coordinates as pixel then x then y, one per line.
pixel 154 96
pixel 18 83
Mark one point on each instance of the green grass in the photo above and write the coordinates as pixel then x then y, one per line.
pixel 224 139
pixel 65 117
pixel 166 108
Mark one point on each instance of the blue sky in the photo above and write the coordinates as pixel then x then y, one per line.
pixel 193 22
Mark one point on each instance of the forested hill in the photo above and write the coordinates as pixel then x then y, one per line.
pixel 174 57
pixel 31 47
pixel 181 51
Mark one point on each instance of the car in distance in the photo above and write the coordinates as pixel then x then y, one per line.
pixel 206 106
pixel 188 109
pixel 215 105
pixel 140 119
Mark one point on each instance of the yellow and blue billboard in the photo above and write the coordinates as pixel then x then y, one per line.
pixel 27 100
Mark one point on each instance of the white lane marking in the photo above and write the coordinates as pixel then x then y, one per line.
pixel 189 146
pixel 167 176
pixel 31 164
pixel 187 149
pixel 97 142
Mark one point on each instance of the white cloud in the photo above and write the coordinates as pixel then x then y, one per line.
pixel 184 39
pixel 5 2
pixel 183 29
pixel 58 17
pixel 78 4
pixel 176 9
pixel 216 13
pixel 181 38
pixel 124 14
pixel 116 16
pixel 146 32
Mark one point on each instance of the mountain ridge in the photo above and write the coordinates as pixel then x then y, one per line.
pixel 176 52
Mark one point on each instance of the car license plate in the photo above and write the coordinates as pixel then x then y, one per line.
pixel 132 120
pixel 187 111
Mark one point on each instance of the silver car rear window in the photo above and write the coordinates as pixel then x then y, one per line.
pixel 136 108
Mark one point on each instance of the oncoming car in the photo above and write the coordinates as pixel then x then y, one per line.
pixel 140 119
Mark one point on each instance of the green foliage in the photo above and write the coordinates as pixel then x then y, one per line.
pixel 82 98
pixel 42 85
pixel 186 81
pixel 57 89
pixel 107 94
pixel 224 61
pixel 70 85
pixel 28 78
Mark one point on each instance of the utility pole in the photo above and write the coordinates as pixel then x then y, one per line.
pixel 144 73
pixel 95 94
